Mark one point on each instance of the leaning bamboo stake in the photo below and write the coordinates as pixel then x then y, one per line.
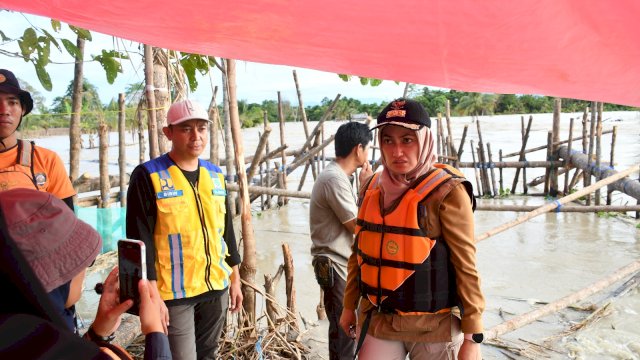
pixel 265 121
pixel 316 130
pixel 567 208
pixel 567 162
pixel 461 147
pixel 562 303
pixel 282 200
pixel 524 145
pixel 122 154
pixel 248 266
pixel 257 157
pixel 575 178
pixel 550 206
pixel 475 170
pixel 543 147
pixel 611 160
pixel 484 173
pixel 310 154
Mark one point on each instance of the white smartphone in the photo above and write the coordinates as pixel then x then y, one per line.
pixel 132 266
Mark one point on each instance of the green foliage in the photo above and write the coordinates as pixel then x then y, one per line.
pixel 638 226
pixel 607 214
pixel 363 80
pixel 505 193
pixel 109 63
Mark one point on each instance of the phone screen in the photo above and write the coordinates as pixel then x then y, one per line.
pixel 131 263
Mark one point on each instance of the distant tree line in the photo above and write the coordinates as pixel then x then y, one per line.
pixel 252 114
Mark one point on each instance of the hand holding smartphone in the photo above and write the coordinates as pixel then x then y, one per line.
pixel 132 266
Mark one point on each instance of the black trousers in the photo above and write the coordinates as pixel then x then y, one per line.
pixel 341 346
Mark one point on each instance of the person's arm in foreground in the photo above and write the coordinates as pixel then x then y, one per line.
pixel 141 221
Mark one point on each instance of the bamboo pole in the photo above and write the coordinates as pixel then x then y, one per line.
pixel 592 132
pixel 543 147
pixel 553 172
pixel 230 163
pixel 214 116
pixel 475 169
pixel 500 170
pixel 550 206
pixel 486 187
pixel 562 303
pixel 103 160
pixel 75 136
pixel 611 159
pixel 141 147
pixel 598 147
pixel 567 208
pixel 309 154
pixel 257 157
pixel 575 178
pixel 305 126
pixel 271 191
pixel 122 154
pixel 248 266
pixel 152 125
pixel 316 130
pixel 567 162
pixel 512 164
pixel 461 147
pixel 525 138
pixel 438 137
pixel 282 200
pixel 493 175
pixel 541 179
pixel 548 175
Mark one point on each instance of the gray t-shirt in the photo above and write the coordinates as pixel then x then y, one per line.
pixel 333 203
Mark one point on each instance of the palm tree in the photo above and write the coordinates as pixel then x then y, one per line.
pixel 477 104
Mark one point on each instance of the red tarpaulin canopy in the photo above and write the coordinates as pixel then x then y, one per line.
pixel 573 48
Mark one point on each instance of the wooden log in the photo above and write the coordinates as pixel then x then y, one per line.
pixel 541 179
pixel 141 147
pixel 567 208
pixel 230 163
pixel 612 157
pixel 270 283
pixel 122 154
pixel 575 179
pixel 87 183
pixel 257 157
pixel 289 273
pixel 618 177
pixel 562 303
pixel 629 187
pixel 94 200
pixel 524 145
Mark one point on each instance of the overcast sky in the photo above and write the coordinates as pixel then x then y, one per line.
pixel 256 82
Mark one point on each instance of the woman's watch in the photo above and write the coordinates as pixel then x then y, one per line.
pixel 476 338
pixel 91 334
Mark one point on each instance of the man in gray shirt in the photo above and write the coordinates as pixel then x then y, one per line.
pixel 332 221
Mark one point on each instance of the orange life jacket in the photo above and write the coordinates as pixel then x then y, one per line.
pixel 401 269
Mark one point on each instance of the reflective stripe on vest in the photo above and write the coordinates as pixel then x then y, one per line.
pixel 399 264
pixel 188 236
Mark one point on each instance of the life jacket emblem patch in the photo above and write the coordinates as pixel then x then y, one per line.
pixel 392 247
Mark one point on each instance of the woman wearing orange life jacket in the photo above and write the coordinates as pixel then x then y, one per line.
pixel 412 274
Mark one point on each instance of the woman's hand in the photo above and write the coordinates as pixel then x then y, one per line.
pixel 469 351
pixel 110 309
pixel 348 322
pixel 151 315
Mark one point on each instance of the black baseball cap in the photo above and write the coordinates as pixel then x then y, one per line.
pixel 9 84
pixel 404 112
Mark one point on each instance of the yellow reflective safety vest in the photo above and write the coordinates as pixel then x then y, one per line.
pixel 21 174
pixel 401 269
pixel 190 223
